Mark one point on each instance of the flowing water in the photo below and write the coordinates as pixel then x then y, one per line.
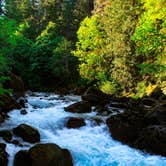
pixel 90 145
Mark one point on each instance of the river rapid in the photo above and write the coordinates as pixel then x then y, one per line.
pixel 91 145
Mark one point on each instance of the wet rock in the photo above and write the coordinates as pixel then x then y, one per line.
pixel 3 155
pixel 44 155
pixel 68 158
pixel 27 133
pixel 23 112
pixel 125 127
pixel 6 135
pixel 153 139
pixel 74 122
pixel 80 107
pixel 22 101
pixel 143 127
pixel 22 159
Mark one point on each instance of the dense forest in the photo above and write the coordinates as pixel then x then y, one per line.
pixel 117 46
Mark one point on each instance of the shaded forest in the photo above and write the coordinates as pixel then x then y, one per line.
pixel 117 46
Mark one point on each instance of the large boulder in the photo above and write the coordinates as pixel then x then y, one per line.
pixel 22 159
pixel 80 107
pixel 153 139
pixel 44 155
pixel 27 133
pixel 74 122
pixel 144 126
pixel 3 155
pixel 126 126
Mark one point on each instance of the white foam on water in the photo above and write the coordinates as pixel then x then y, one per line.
pixel 89 145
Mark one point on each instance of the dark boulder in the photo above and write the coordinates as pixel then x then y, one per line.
pixel 23 112
pixel 6 135
pixel 125 127
pixel 3 155
pixel 74 122
pixel 142 127
pixel 27 133
pixel 44 155
pixel 22 159
pixel 152 139
pixel 68 158
pixel 80 107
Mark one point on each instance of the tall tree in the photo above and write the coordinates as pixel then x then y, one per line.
pixel 104 46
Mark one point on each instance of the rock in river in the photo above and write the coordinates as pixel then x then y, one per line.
pixel 44 155
pixel 74 122
pixel 80 107
pixel 27 133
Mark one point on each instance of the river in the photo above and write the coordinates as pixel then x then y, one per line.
pixel 91 145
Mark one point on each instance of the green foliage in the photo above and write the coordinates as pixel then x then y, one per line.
pixel 104 47
pixel 36 39
pixel 150 38
pixel 43 60
pixel 6 39
pixel 2 90
pixel 121 44
pixel 88 46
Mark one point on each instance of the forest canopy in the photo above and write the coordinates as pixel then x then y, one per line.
pixel 118 46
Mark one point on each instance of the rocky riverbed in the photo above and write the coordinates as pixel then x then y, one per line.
pixel 81 132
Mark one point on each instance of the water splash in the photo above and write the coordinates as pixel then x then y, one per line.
pixel 90 145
